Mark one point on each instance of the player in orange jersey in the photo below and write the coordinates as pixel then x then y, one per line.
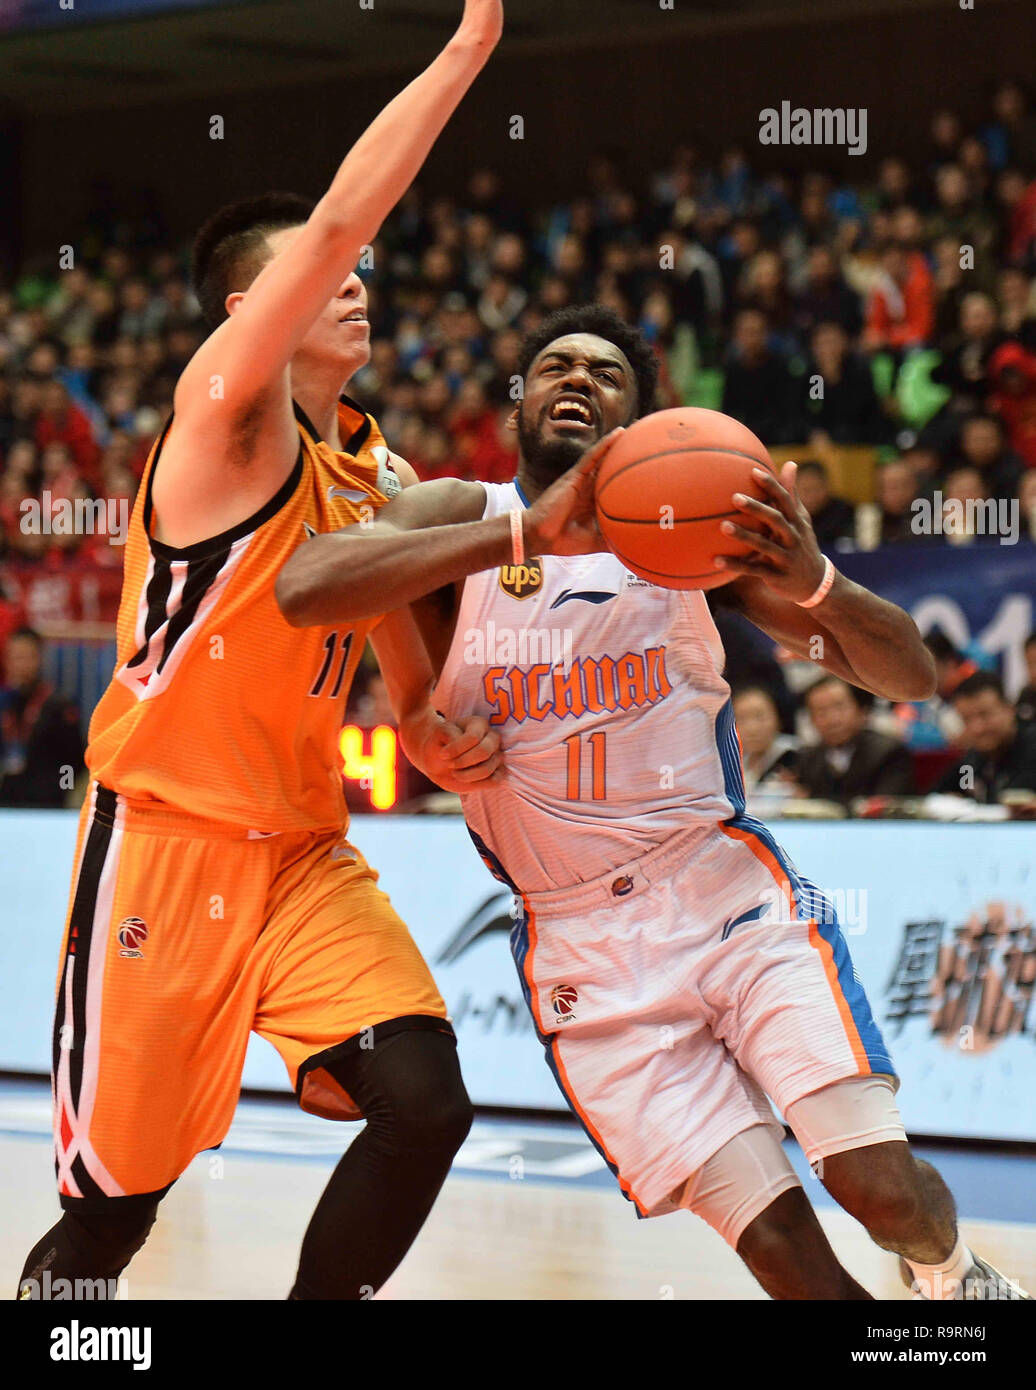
pixel 214 892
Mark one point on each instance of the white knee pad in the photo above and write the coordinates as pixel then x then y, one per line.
pixel 848 1115
pixel 738 1182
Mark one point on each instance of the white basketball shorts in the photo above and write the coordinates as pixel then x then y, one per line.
pixel 676 993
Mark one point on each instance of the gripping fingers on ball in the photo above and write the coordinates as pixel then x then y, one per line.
pixel 786 503
pixel 755 539
pixel 758 569
pixel 775 520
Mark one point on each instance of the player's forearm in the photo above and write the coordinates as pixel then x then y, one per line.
pixel 349 575
pixel 880 642
pixel 386 159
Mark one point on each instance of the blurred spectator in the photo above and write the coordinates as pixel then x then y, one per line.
pixel 960 216
pixel 1016 305
pixel 982 446
pixel 825 297
pixel 1001 754
pixel 40 743
pixel 952 666
pixel 766 753
pixel 758 389
pixel 892 518
pixel 850 759
pixel 967 508
pixel 901 309
pixel 944 136
pixel 1010 138
pixel 965 367
pixel 763 288
pixel 832 517
pixel 848 411
pixel 1016 195
pixel 481 448
pixel 951 288
pixel 1012 376
pixel 1025 705
pixel 934 723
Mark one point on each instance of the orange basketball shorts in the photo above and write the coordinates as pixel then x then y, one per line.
pixel 182 937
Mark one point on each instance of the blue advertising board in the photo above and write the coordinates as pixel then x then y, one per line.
pixel 979 594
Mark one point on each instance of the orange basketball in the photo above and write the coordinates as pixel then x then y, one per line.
pixel 664 489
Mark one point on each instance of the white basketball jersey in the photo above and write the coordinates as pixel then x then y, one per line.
pixel 614 716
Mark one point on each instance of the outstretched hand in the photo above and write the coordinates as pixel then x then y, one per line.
pixel 784 550
pixel 483 19
pixel 563 520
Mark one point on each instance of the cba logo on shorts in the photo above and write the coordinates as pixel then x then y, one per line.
pixel 132 935
pixel 522 581
pixel 563 999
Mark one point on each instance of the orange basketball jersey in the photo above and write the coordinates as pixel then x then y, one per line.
pixel 217 706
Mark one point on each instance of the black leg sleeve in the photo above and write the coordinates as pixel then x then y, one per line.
pixel 91 1249
pixel 418 1114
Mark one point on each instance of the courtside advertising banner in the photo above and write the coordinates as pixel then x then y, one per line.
pixel 940 921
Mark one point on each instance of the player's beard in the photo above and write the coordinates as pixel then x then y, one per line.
pixel 547 459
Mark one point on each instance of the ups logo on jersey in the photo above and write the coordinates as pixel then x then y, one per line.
pixel 522 581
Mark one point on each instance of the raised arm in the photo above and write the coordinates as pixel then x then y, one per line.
pixel 252 348
pixel 862 638
pixel 233 401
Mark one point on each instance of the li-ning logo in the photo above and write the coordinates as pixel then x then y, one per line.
pixel 522 581
pixel 132 935
pixel 563 999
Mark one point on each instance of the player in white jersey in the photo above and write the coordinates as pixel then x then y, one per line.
pixel 678 968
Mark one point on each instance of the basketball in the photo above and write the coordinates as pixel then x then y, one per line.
pixel 666 486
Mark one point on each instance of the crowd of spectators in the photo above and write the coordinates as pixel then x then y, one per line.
pixel 897 314
pixel 857 758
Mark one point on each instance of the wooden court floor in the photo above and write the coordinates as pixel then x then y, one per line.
pixel 230 1229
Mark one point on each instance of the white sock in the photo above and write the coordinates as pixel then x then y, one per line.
pixel 943 1281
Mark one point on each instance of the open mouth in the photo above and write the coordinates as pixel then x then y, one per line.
pixel 571 410
pixel 357 316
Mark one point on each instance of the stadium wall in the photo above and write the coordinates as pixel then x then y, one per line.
pixel 611 91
